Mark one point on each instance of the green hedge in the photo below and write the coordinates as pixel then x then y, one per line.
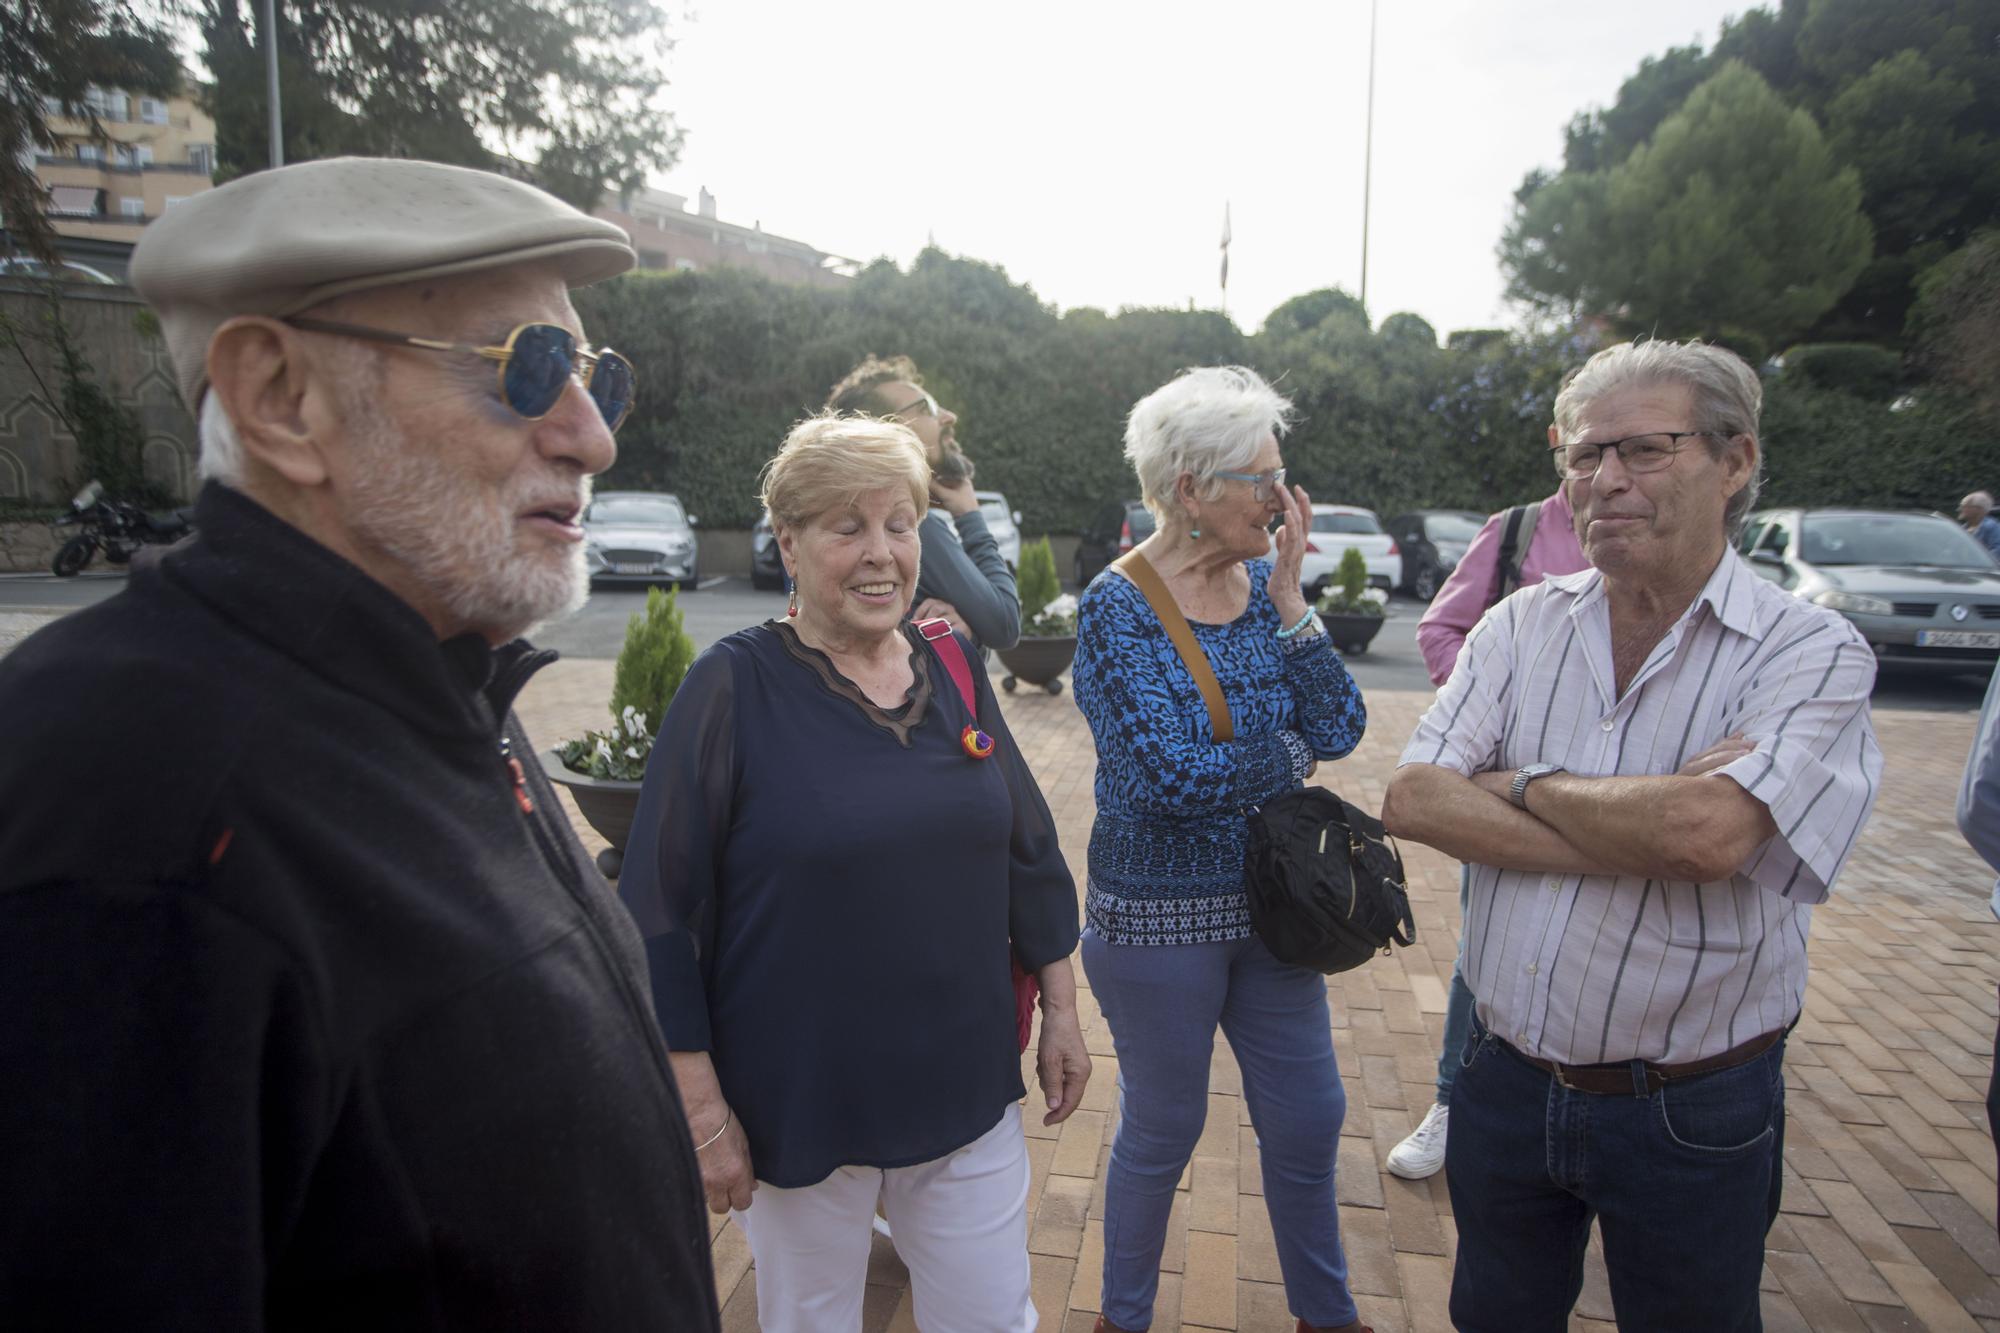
pixel 1387 418
pixel 1861 369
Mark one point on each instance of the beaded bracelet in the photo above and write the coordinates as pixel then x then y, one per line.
pixel 1304 621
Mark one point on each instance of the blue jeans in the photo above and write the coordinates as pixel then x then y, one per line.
pixel 1684 1182
pixel 1458 1008
pixel 1163 1002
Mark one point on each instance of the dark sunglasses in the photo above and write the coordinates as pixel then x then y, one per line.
pixel 536 364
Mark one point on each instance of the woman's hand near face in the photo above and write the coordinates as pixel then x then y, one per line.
pixel 1284 586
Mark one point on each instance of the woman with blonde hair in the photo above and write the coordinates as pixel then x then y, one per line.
pixel 837 853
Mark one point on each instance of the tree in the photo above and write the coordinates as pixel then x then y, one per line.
pixel 1955 324
pixel 1733 219
pixel 572 83
pixel 54 52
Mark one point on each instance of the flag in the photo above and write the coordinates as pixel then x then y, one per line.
pixel 1225 246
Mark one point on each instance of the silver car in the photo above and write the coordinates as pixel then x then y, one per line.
pixel 1004 524
pixel 640 537
pixel 1922 592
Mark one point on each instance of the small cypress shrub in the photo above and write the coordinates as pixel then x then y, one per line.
pixel 655 659
pixel 1349 595
pixel 1037 581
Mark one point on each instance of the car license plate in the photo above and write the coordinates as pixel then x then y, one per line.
pixel 1958 638
pixel 628 568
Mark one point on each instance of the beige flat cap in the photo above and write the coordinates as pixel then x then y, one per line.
pixel 277 242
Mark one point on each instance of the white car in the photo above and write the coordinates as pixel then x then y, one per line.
pixel 1004 524
pixel 1335 528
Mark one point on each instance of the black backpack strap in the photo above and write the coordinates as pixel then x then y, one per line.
pixel 1507 573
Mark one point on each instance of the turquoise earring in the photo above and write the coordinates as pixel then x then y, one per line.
pixel 1195 534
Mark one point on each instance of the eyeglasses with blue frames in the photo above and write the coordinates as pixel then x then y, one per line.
pixel 537 363
pixel 1264 485
pixel 1652 452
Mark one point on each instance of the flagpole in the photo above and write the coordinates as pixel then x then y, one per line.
pixel 1368 157
pixel 277 131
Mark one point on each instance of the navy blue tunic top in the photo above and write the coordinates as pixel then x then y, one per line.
pixel 827 890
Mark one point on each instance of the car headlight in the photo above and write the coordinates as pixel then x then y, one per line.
pixel 1854 603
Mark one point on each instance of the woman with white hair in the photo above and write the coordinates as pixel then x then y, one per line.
pixel 836 843
pixel 1167 944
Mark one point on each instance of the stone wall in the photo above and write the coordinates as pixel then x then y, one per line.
pixel 38 455
pixel 25 547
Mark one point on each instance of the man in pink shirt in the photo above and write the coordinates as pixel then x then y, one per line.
pixel 1546 547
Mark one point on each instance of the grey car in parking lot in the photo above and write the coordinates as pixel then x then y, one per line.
pixel 1922 592
pixel 640 537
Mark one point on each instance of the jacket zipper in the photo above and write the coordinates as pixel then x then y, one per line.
pixel 513 766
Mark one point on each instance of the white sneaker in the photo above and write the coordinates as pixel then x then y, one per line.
pixel 1422 1153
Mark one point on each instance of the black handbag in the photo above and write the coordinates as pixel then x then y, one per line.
pixel 1325 884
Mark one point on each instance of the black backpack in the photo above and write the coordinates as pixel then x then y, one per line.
pixel 1325 884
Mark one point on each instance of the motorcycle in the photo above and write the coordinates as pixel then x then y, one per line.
pixel 118 529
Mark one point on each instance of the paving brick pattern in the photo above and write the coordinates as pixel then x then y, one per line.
pixel 1889 1203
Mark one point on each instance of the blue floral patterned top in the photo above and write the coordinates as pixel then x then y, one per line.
pixel 1166 852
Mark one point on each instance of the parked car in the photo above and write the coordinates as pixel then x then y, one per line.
pixel 767 567
pixel 1112 531
pixel 1922 592
pixel 1433 541
pixel 1004 524
pixel 1335 528
pixel 26 266
pixel 640 537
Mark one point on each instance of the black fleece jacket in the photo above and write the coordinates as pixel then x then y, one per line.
pixel 305 1022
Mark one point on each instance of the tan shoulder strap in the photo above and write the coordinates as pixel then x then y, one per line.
pixel 1147 579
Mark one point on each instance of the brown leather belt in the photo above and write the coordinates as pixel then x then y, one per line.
pixel 1615 1079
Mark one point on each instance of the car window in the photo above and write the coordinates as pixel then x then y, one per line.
pixel 1751 532
pixel 646 511
pixel 1451 528
pixel 996 512
pixel 1350 524
pixel 1777 537
pixel 1889 539
pixel 1141 519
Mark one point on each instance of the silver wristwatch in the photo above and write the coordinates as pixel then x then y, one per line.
pixel 1518 793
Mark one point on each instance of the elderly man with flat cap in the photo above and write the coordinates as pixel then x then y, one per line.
pixel 316 1014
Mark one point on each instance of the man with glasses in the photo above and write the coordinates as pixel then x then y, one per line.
pixel 1654 767
pixel 961 574
pixel 318 1015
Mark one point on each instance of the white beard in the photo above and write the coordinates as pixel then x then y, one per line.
pixel 459 540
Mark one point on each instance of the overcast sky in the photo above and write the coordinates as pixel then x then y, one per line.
pixel 1088 147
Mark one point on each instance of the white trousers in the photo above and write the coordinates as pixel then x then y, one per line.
pixel 960 1223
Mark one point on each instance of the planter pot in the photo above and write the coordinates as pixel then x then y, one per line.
pixel 607 805
pixel 1351 634
pixel 1039 660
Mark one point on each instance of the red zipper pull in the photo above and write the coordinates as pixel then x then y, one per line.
pixel 521 796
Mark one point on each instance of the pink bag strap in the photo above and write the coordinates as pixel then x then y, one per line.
pixel 938 634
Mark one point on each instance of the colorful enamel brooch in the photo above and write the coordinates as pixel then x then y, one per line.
pixel 976 742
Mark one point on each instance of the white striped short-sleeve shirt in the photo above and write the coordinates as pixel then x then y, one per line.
pixel 1584 969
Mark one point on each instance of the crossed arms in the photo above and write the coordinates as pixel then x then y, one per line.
pixel 1694 826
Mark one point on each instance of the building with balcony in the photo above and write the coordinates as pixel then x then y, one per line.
pixel 669 237
pixel 157 152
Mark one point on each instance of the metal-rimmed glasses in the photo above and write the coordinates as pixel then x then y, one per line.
pixel 1651 452
pixel 1264 484
pixel 537 363
pixel 928 404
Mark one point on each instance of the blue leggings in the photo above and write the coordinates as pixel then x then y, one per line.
pixel 1163 1002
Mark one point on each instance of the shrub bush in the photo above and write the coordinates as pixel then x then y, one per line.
pixel 1861 369
pixel 655 659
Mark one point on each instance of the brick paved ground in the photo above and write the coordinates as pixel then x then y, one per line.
pixel 1889 1218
